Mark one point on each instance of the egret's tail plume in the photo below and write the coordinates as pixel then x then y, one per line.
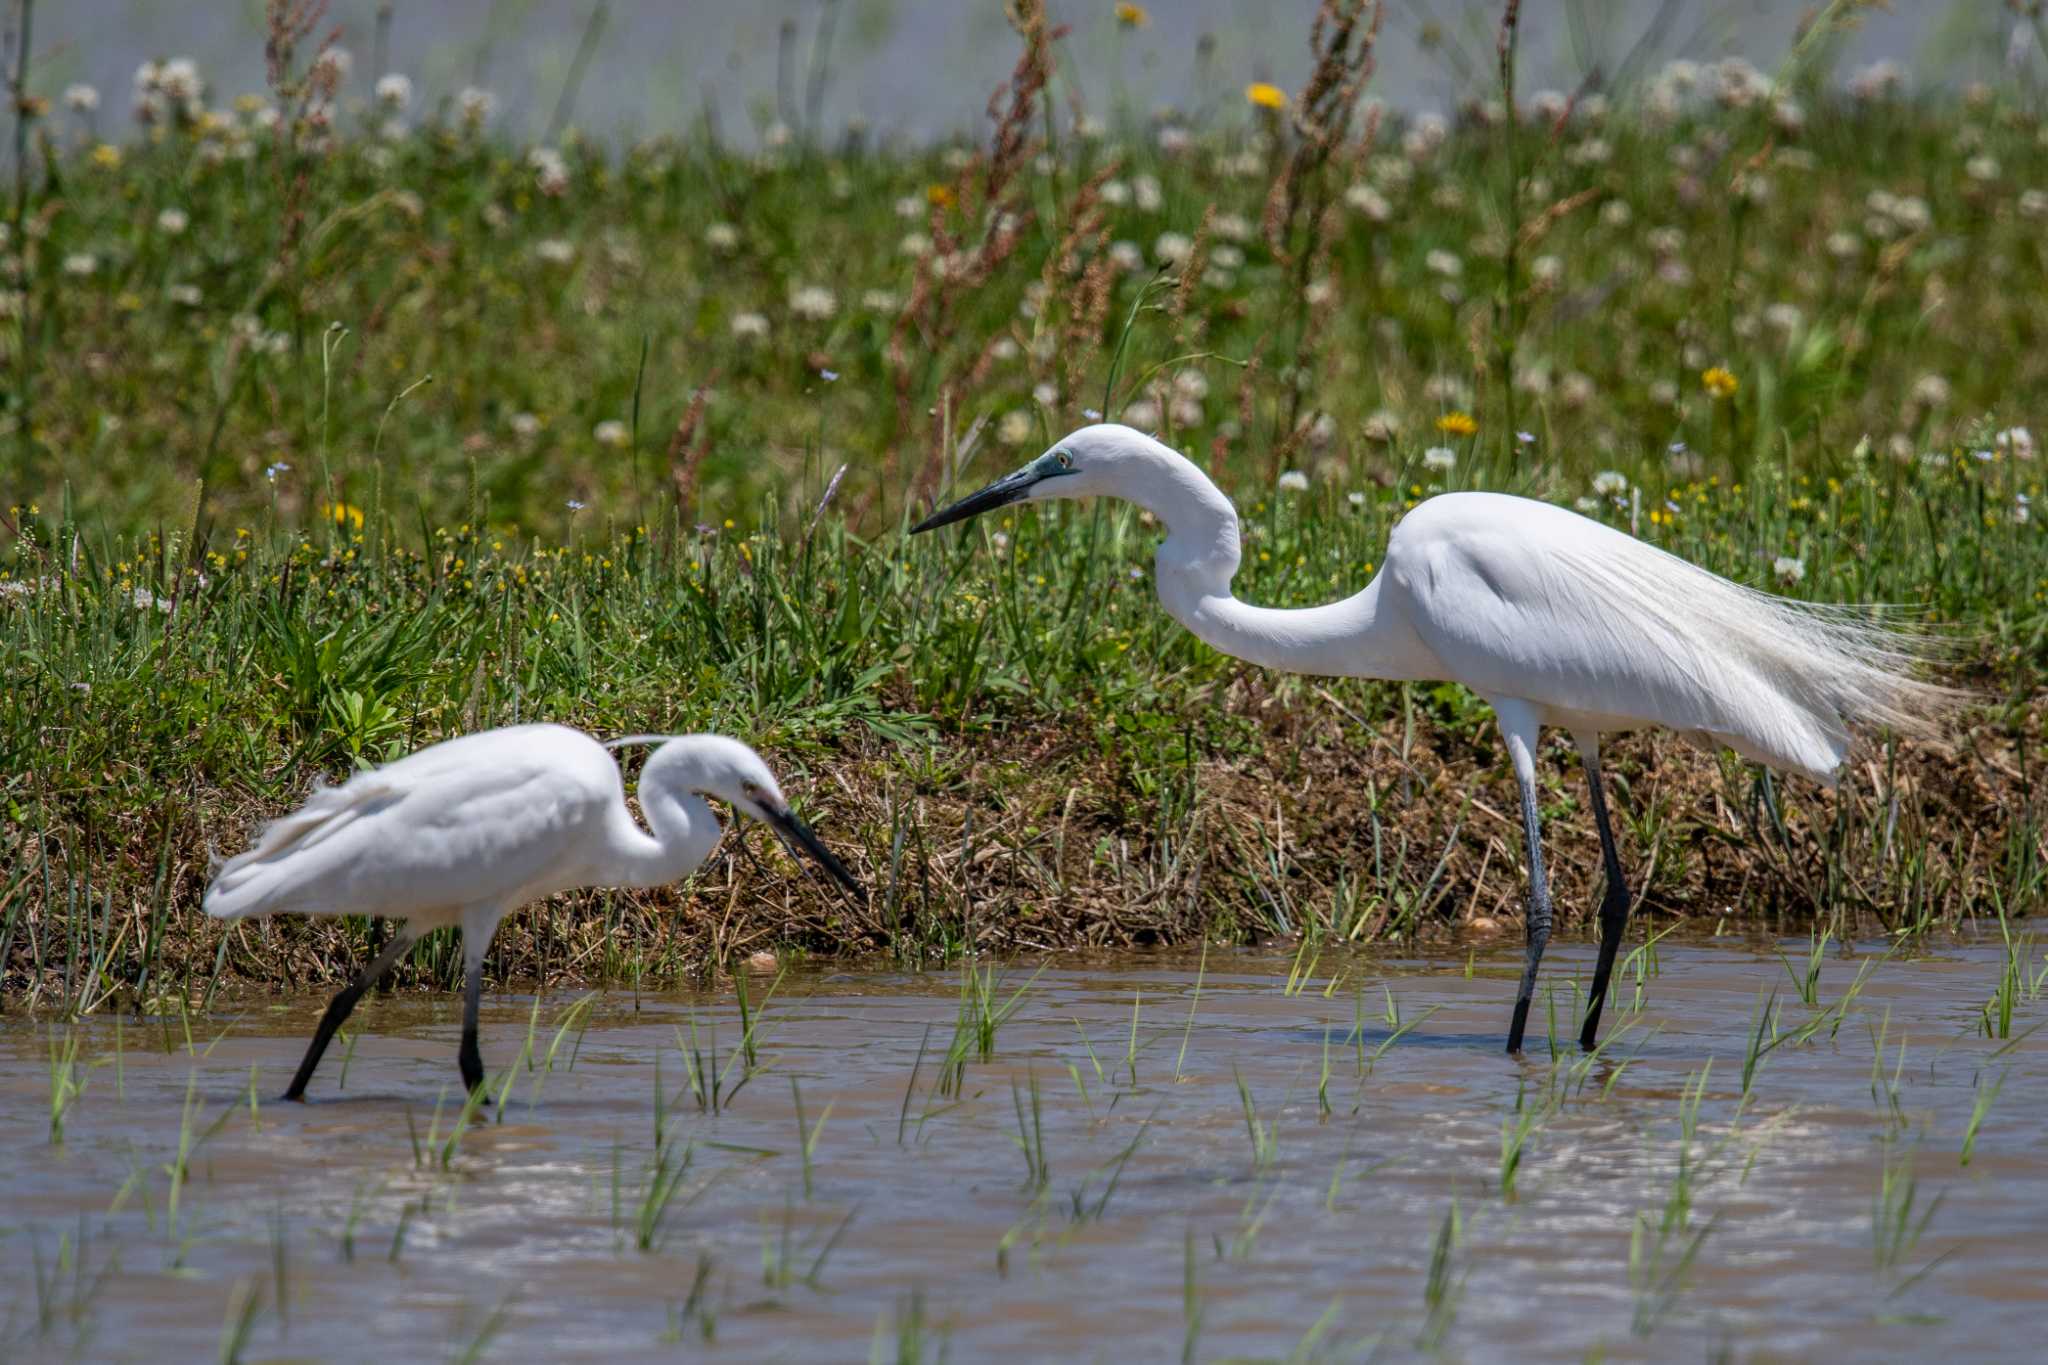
pixel 1794 682
pixel 254 883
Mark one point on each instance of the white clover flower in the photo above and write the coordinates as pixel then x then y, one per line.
pixel 1877 81
pixel 1126 256
pixel 1293 481
pixel 610 432
pixel 81 97
pixel 1225 257
pixel 1616 213
pixel 1115 193
pixel 1610 483
pixel 910 206
pixel 185 295
pixel 1175 140
pixel 1383 425
pixel 477 104
pixel 1231 227
pixel 525 426
pixel 813 302
pixel 1442 459
pixel 555 250
pixel 915 244
pixel 1784 317
pixel 749 327
pixel 2033 204
pixel 1369 202
pixel 1930 391
pixel 1444 263
pixel 335 61
pixel 394 90
pixel 1546 270
pixel 1355 498
pixel 1981 167
pixel 177 79
pixel 1588 504
pixel 722 237
pixel 1550 105
pixel 1172 248
pixel 81 264
pixel 1788 569
pixel 1145 190
pixel 1142 413
pixel 172 221
pixel 1016 427
pixel 550 172
pixel 1592 151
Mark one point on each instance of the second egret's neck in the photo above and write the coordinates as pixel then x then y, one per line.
pixel 1199 558
pixel 685 827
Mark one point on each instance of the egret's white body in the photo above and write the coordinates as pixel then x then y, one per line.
pixel 468 830
pixel 1552 617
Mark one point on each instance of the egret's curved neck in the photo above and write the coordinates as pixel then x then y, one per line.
pixel 685 827
pixel 1200 556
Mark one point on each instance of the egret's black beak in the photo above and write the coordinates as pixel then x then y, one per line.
pixel 796 834
pixel 1001 493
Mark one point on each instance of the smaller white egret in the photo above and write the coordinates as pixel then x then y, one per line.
pixel 1553 618
pixel 467 831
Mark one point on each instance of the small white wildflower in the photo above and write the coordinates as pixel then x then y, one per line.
pixel 813 302
pixel 1142 413
pixel 610 432
pixel 1788 569
pixel 394 90
pixel 1440 458
pixel 2017 442
pixel 81 263
pixel 1369 202
pixel 1293 481
pixel 185 295
pixel 1016 427
pixel 1172 248
pixel 722 237
pixel 550 171
pixel 1610 483
pixel 1232 227
pixel 575 504
pixel 749 327
pixel 477 104
pixel 1664 393
pixel 1575 390
pixel 1147 194
pixel 915 244
pixel 1126 256
pixel 81 97
pixel 1527 438
pixel 525 425
pixel 1930 391
pixel 910 206
pixel 2033 204
pixel 999 542
pixel 1546 270
pixel 1981 168
pixel 555 250
pixel 1588 504
pixel 1355 498
pixel 172 221
pixel 1444 263
pixel 1114 193
pixel 878 301
pixel 336 62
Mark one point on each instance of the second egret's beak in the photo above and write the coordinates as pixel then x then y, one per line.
pixel 797 834
pixel 1004 491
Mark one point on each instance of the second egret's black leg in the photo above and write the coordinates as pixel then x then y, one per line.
pixel 1519 727
pixel 1613 905
pixel 338 1008
pixel 470 1057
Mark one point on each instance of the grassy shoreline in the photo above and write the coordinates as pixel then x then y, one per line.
pixel 328 438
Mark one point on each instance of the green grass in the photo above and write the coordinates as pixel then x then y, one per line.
pixel 249 543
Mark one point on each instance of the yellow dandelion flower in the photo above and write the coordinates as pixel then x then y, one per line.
pixel 942 195
pixel 1266 96
pixel 1132 16
pixel 1719 382
pixel 344 514
pixel 1457 424
pixel 106 156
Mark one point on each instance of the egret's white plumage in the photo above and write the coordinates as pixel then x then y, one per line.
pixel 1554 618
pixel 468 830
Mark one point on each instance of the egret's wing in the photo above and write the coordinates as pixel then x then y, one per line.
pixel 488 817
pixel 1534 602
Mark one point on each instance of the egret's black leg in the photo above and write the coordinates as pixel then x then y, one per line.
pixel 338 1008
pixel 470 1057
pixel 1613 905
pixel 1519 727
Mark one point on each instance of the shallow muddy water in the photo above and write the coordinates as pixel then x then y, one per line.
pixel 1183 1195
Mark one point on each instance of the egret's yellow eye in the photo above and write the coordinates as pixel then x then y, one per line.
pixel 1066 460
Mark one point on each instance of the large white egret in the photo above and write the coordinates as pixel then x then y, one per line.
pixel 468 830
pixel 1553 618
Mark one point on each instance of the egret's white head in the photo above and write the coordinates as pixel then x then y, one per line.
pixel 727 770
pixel 1105 459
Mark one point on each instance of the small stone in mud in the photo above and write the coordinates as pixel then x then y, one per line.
pixel 761 960
pixel 1483 924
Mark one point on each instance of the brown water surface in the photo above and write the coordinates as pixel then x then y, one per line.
pixel 1196 1195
